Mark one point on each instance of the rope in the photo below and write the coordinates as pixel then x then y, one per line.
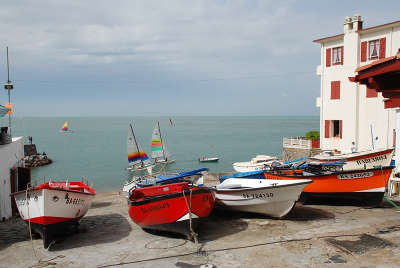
pixel 40 263
pixel 230 248
pixel 189 207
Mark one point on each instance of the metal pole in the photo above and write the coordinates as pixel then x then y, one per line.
pixel 162 144
pixel 9 95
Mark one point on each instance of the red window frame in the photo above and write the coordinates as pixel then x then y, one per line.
pixel 337 55
pixel 376 48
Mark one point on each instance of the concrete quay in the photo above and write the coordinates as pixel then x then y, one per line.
pixel 310 236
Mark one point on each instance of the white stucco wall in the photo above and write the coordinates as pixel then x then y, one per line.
pixel 10 156
pixel 356 111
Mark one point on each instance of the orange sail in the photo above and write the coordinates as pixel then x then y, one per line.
pixel 65 126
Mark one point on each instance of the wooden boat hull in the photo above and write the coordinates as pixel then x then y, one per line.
pixel 52 211
pixel 275 199
pixel 362 185
pixel 165 207
pixel 360 160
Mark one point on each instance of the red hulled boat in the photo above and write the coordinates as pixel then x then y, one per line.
pixel 54 207
pixel 170 207
pixel 367 185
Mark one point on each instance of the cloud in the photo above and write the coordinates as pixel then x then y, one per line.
pixel 135 49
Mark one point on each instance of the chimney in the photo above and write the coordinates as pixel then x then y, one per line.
pixel 357 22
pixel 348 25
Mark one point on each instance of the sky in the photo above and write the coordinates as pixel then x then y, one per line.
pixel 170 58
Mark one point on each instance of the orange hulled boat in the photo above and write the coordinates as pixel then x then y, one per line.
pixel 367 185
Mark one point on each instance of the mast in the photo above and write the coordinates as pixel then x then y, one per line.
pixel 8 87
pixel 162 144
pixel 137 146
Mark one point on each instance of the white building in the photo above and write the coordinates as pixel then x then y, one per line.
pixel 10 159
pixel 349 111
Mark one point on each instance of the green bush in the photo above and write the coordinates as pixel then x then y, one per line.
pixel 312 135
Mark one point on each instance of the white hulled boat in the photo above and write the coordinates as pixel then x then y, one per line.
pixel 274 198
pixel 357 160
pixel 260 162
pixel 53 207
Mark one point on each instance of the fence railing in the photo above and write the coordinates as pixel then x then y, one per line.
pixel 297 143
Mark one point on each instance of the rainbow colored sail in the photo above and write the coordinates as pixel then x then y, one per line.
pixel 64 127
pixel 157 147
pixel 137 156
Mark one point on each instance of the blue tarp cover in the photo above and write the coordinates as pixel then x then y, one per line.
pixel 168 177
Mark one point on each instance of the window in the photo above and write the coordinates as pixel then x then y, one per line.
pixel 336 128
pixel 373 49
pixel 337 55
pixel 335 90
pixel 333 128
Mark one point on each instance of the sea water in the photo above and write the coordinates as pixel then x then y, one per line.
pixel 96 149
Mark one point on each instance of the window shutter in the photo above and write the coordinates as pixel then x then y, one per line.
pixel 342 54
pixel 328 57
pixel 335 90
pixel 327 128
pixel 382 48
pixel 364 51
pixel 341 127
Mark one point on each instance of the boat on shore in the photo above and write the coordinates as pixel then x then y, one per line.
pixel 367 185
pixel 53 208
pixel 259 174
pixel 260 162
pixel 175 207
pixel 357 160
pixel 138 159
pixel 275 198
pixel 204 159
pixel 195 177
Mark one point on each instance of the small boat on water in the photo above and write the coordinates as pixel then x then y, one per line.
pixel 208 159
pixel 52 208
pixel 175 207
pixel 274 198
pixel 260 162
pixel 65 128
pixel 138 159
pixel 357 160
pixel 159 152
pixel 366 185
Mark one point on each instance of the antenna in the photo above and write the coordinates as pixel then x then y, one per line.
pixel 9 86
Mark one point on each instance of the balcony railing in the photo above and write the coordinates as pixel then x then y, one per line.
pixel 300 143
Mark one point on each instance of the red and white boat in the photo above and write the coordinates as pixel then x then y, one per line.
pixel 170 207
pixel 366 185
pixel 358 160
pixel 53 207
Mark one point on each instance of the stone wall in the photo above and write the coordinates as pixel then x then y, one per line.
pixel 290 154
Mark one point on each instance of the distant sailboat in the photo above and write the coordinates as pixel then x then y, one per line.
pixel 65 128
pixel 159 151
pixel 138 160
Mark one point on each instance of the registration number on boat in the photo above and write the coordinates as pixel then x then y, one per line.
pixel 258 195
pixel 355 175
